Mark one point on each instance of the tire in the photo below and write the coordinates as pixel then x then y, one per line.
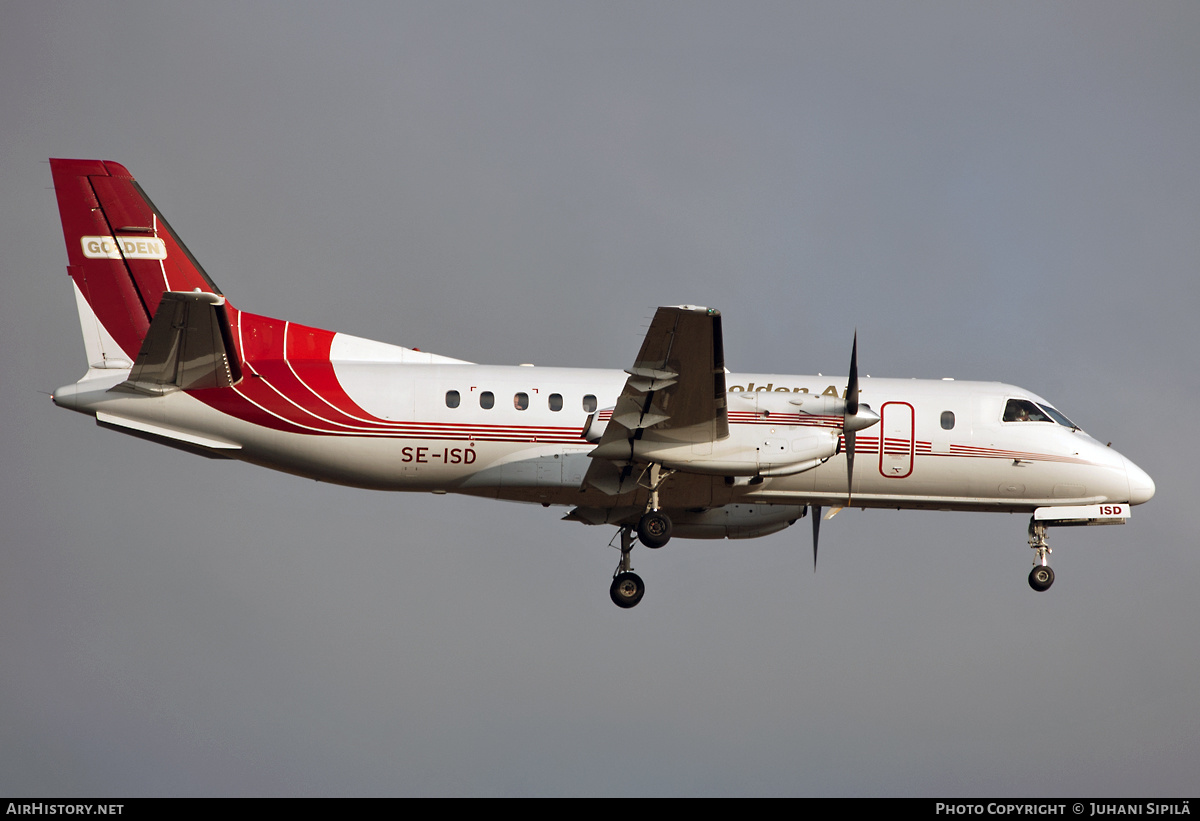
pixel 654 529
pixel 627 590
pixel 1041 577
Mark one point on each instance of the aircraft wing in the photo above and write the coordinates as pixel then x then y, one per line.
pixel 675 394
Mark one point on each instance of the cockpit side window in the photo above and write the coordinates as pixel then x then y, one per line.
pixel 1022 410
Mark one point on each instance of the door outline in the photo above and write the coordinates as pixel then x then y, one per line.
pixel 898 447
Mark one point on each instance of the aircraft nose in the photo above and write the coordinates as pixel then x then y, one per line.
pixel 1141 486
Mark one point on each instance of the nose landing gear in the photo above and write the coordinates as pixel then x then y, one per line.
pixel 1042 575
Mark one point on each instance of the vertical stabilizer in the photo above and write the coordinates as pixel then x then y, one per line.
pixel 122 257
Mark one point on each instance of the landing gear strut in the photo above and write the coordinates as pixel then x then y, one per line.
pixel 627 588
pixel 654 528
pixel 1042 575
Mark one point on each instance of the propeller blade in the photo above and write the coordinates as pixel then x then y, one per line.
pixel 849 434
pixel 856 417
pixel 851 412
pixel 852 386
pixel 816 517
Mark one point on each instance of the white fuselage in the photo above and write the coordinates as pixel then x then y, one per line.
pixel 944 443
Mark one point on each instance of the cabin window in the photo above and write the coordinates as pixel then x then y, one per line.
pixel 556 401
pixel 589 404
pixel 452 399
pixel 486 400
pixel 1022 410
pixel 521 401
pixel 947 420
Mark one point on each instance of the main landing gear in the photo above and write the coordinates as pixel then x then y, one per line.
pixel 653 530
pixel 1042 575
pixel 627 587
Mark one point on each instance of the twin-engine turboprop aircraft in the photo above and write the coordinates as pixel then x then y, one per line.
pixel 674 446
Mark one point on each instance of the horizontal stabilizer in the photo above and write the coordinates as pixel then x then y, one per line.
pixel 189 345
pixel 208 446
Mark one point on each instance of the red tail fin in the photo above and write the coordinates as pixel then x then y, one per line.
pixel 122 254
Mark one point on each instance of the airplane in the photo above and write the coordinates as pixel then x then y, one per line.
pixel 673 447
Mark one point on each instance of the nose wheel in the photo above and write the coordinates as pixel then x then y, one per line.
pixel 1042 575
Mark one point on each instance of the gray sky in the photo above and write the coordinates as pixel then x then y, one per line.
pixel 990 191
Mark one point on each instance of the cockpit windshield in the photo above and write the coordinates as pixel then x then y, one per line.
pixel 1058 417
pixel 1023 410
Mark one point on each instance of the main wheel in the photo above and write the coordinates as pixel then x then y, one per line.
pixel 1041 577
pixel 654 529
pixel 627 590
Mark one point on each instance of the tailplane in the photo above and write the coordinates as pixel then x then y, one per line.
pixel 123 257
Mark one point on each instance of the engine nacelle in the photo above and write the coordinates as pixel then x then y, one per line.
pixel 771 434
pixel 750 450
pixel 787 405
pixel 735 521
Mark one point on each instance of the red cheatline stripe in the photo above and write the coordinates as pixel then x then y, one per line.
pixel 994 453
pixel 274 395
pixel 291 385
